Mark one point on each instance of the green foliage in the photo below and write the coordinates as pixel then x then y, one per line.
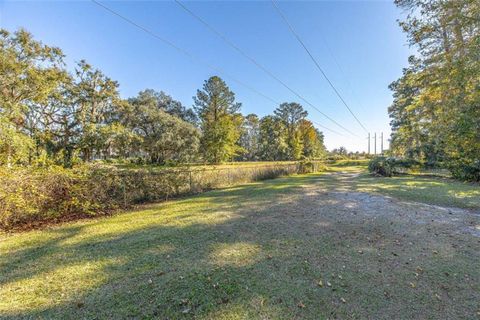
pixel 435 110
pixel 464 170
pixel 388 166
pixel 164 137
pixel 249 138
pixel 382 166
pixel 310 166
pixel 15 146
pixel 291 115
pixel 35 195
pixel 49 116
pixel 272 140
pixel 216 107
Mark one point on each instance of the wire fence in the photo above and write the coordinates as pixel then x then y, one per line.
pixel 34 195
pixel 150 185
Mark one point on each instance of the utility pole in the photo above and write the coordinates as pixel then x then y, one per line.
pixel 375 142
pixel 369 143
pixel 381 143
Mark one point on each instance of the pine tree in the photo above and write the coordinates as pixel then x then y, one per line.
pixel 219 120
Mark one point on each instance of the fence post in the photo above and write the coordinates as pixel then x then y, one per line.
pixel 124 194
pixel 191 188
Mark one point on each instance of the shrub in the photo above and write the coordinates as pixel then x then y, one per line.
pixel 469 171
pixel 389 166
pixel 31 196
pixel 382 166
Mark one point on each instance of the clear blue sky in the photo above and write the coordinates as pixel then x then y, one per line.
pixel 363 37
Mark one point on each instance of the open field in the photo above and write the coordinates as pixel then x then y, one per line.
pixel 340 244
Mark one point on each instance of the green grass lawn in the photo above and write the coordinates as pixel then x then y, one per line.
pixel 428 189
pixel 278 249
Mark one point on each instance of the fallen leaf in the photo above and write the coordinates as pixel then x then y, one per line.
pixel 343 300
pixel 320 283
pixel 301 305
pixel 413 285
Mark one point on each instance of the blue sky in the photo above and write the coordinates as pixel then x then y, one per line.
pixel 358 44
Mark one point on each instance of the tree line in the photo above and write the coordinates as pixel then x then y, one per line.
pixel 49 115
pixel 436 109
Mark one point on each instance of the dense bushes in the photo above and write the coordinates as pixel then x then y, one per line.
pixel 310 166
pixel 469 171
pixel 30 196
pixel 388 166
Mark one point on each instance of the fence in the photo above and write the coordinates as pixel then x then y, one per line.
pixel 29 195
pixel 144 186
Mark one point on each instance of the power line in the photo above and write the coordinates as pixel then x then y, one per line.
pixel 316 63
pixel 344 75
pixel 185 52
pixel 194 58
pixel 260 66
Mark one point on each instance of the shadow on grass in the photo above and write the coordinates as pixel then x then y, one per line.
pixel 250 251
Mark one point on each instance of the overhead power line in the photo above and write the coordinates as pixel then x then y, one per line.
pixel 316 63
pixel 185 52
pixel 256 63
pixel 193 57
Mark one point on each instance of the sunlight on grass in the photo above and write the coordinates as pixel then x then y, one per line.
pixel 236 254
pixel 54 287
pixel 430 190
pixel 251 251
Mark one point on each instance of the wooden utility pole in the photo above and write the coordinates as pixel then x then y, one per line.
pixel 381 142
pixel 375 142
pixel 369 143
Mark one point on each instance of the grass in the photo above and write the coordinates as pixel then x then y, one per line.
pixel 435 190
pixel 199 166
pixel 306 247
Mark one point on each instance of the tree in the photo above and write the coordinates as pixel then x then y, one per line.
pixel 290 114
pixel 435 109
pixel 312 140
pixel 272 139
pixel 162 136
pixel 219 120
pixel 249 139
pixel 96 97
pixel 14 145
pixel 29 73
pixel 163 101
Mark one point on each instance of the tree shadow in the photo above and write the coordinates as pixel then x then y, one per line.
pixel 252 250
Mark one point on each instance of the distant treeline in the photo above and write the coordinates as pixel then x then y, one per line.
pixel 436 109
pixel 49 115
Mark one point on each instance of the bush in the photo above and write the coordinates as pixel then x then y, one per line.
pixel 31 196
pixel 466 171
pixel 382 166
pixel 388 166
pixel 310 167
